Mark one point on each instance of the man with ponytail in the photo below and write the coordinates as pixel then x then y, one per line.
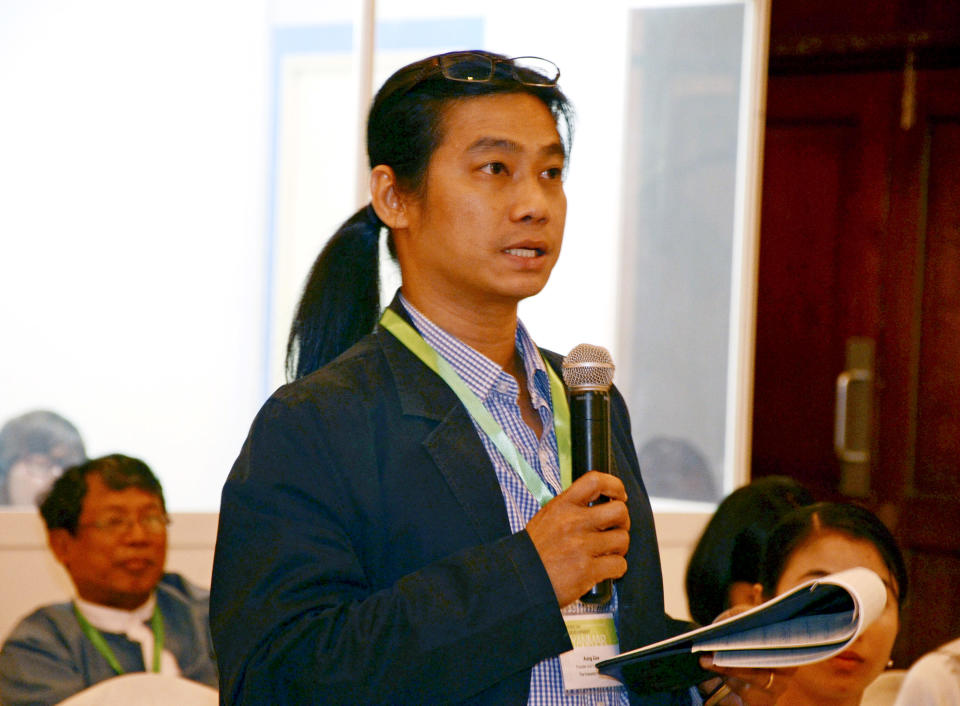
pixel 399 527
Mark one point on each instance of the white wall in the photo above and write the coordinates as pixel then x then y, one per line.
pixel 132 197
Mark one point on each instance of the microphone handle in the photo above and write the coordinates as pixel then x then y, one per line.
pixel 590 448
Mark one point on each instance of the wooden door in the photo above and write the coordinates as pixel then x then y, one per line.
pixel 860 237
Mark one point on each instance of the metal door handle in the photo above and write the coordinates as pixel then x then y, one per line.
pixel 844 380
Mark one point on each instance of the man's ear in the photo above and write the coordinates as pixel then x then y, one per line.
pixel 60 541
pixel 386 198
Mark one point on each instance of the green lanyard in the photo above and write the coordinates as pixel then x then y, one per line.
pixel 156 624
pixel 409 337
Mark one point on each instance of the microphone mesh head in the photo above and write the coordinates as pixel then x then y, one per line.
pixel 588 367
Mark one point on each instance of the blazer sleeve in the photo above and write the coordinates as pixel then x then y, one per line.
pixel 320 594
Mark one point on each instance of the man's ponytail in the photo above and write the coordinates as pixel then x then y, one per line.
pixel 341 298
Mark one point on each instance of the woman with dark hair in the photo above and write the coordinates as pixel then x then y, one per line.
pixel 725 564
pixel 395 529
pixel 822 539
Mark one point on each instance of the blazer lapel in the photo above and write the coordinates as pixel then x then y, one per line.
pixel 452 443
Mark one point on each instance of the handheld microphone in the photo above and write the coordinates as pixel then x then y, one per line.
pixel 588 373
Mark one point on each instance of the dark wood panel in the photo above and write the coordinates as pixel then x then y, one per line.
pixel 797 310
pixel 819 17
pixel 934 589
pixel 819 36
pixel 823 216
pixel 938 412
pixel 901 292
pixel 931 524
pixel 904 219
pixel 862 17
pixel 843 165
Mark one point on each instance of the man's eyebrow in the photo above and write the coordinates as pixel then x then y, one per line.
pixel 121 507
pixel 494 143
pixel 498 143
pixel 554 149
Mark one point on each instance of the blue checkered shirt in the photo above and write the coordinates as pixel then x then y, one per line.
pixel 498 392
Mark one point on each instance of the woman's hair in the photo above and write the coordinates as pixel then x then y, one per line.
pixel 62 506
pixel 731 546
pixel 340 302
pixel 806 523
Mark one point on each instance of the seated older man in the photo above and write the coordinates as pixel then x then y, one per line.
pixel 107 524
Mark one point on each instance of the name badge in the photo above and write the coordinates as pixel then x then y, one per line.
pixel 594 637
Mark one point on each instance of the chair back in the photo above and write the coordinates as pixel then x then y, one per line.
pixel 145 689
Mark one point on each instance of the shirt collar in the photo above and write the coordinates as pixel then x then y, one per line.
pixel 481 374
pixel 115 620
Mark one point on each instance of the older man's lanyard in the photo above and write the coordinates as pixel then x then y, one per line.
pixel 409 337
pixel 156 624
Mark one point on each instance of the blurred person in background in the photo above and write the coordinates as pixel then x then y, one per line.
pixel 107 525
pixel 676 468
pixel 725 564
pixel 34 449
